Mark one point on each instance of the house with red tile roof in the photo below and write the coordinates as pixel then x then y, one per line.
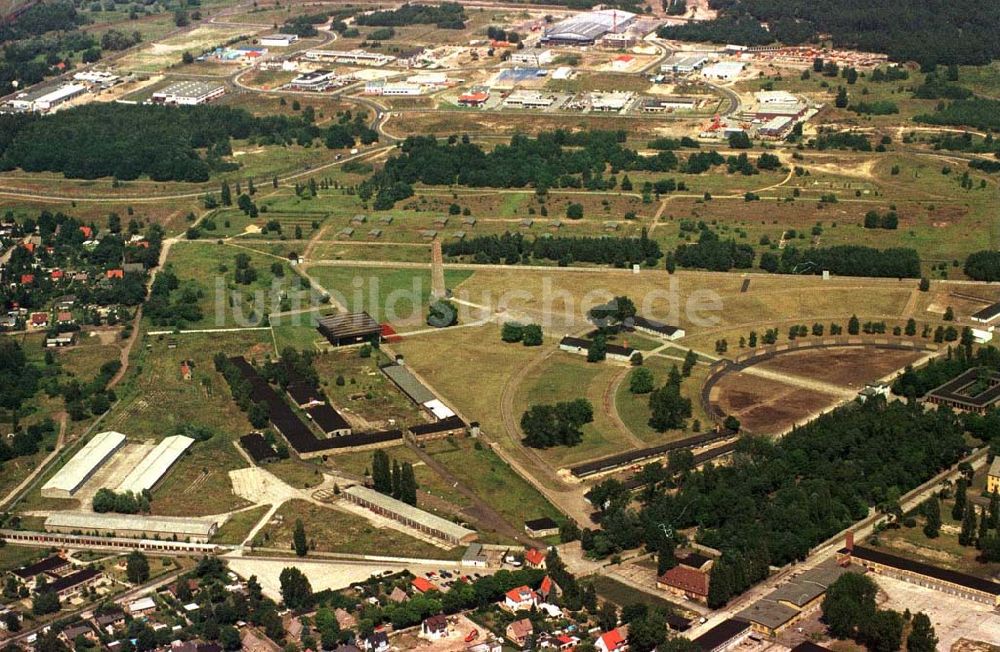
pixel 86 231
pixel 64 317
pixel 534 558
pixel 420 585
pixel 549 589
pixel 30 246
pixel 519 631
pixel 40 319
pixel 614 641
pixel 57 275
pixel 116 273
pixel 27 279
pixel 523 597
pixel 685 582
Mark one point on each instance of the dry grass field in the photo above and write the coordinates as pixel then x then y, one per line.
pixel 765 406
pixel 848 367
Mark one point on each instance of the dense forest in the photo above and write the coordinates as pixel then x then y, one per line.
pixel 977 112
pixel 128 141
pixel 552 160
pixel 917 382
pixel 983 266
pixel 447 15
pixel 845 260
pixel 42 17
pixel 514 248
pixel 930 32
pixel 777 500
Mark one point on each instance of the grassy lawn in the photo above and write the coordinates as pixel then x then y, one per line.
pixel 623 595
pixel 330 530
pixel 14 556
pixel 199 484
pixel 365 392
pixel 492 480
pixel 298 473
pixel 236 529
pixel 634 408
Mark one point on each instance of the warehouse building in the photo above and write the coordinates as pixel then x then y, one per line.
pixel 189 93
pixel 148 472
pixel 533 58
pixel 684 64
pixel 196 530
pixel 317 80
pixel 46 99
pixel 349 328
pixel 727 635
pixel 409 515
pixel 83 465
pixel 278 40
pixel 586 28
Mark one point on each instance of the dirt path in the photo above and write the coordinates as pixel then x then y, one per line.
pixel 799 381
pixel 911 304
pixel 611 408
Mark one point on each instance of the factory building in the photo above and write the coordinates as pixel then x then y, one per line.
pixel 148 472
pixel 409 515
pixel 196 530
pixel 189 93
pixel 586 28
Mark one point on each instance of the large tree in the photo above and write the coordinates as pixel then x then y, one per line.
pixel 849 605
pixel 295 588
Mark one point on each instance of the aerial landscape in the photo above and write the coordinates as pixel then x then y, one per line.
pixel 496 325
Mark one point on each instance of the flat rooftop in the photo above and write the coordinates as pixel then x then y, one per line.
pixel 76 471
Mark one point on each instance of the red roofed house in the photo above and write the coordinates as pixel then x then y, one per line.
pixel 614 641
pixel 685 582
pixel 420 585
pixel 520 598
pixel 519 631
pixel 185 370
pixel 86 231
pixel 474 99
pixel 65 317
pixel 57 274
pixel 548 589
pixel 534 558
pixel 116 273
pixel 40 319
pixel 27 279
pixel 435 627
pixel 30 246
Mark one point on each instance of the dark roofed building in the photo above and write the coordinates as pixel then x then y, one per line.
pixel 74 581
pixel 304 393
pixel 258 449
pixel 349 328
pixel 975 390
pixel 446 427
pixel 726 635
pixel 657 328
pixel 541 527
pixel 52 564
pixel 987 314
pixel 809 646
pixel 962 585
pixel 329 420
pixel 618 460
pixel 582 346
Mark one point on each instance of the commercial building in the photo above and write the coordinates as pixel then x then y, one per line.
pixel 790 602
pixel 349 328
pixel 529 99
pixel 409 515
pixel 46 99
pixel 727 635
pixel 352 57
pixel 97 77
pixel 968 587
pixel 189 93
pixel 534 58
pixel 148 472
pixel 684 64
pixel 669 103
pixel 474 98
pixel 317 80
pixel 68 480
pixel 611 102
pixel 586 28
pixel 723 70
pixel 278 40
pixel 975 390
pixel 541 527
pixel 392 88
pixel 197 530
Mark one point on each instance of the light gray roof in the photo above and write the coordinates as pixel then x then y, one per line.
pixel 768 613
pixel 407 382
pixel 155 464
pixel 80 466
pixel 409 512
pixel 151 525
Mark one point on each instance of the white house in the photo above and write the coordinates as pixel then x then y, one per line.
pixel 523 597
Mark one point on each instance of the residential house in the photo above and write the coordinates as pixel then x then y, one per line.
pixel 519 632
pixel 115 273
pixel 110 621
pixel 563 642
pixel 377 642
pixel 398 596
pixel 435 627
pixel 534 558
pixel 421 585
pixel 40 320
pixel 522 597
pixel 549 589
pixel 614 641
pixel 4 615
pixel 141 607
pixel 72 632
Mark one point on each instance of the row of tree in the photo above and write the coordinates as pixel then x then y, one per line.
pixel 514 248
pixel 394 479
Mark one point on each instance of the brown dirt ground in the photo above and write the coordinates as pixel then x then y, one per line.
pixel 766 406
pixel 850 367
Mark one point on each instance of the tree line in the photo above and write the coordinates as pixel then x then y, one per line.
pixel 983 266
pixel 391 478
pixel 447 15
pixel 514 248
pixel 128 141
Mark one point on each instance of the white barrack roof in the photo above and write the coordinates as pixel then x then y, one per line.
pixel 80 467
pixel 154 466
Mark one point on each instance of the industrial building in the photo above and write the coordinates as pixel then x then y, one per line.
pixel 189 93
pixel 409 515
pixel 669 103
pixel 353 57
pixel 100 78
pixel 349 328
pixel 727 635
pixel 723 70
pixel 534 58
pixel 197 530
pixel 46 99
pixel 684 64
pixel 68 480
pixel 392 88
pixel 610 102
pixel 278 40
pixel 586 28
pixel 529 99
pixel 151 469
